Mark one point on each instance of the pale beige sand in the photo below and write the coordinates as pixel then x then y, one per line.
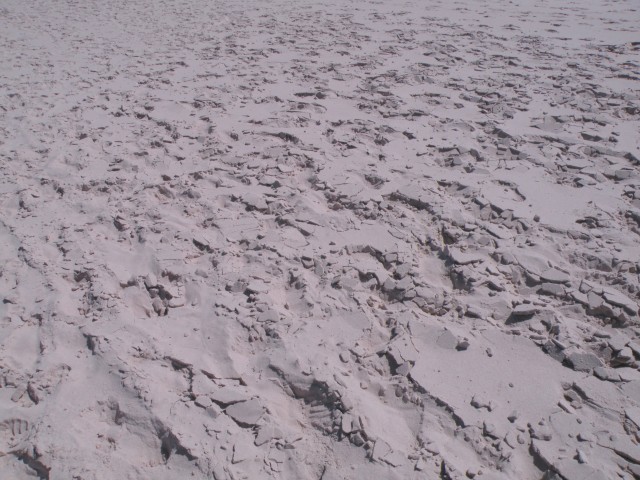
pixel 319 240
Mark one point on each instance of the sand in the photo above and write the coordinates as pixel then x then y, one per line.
pixel 320 240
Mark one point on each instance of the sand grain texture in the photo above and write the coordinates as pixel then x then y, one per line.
pixel 321 240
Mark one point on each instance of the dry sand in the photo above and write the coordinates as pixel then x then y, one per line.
pixel 319 240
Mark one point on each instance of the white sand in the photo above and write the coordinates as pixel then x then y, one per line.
pixel 319 240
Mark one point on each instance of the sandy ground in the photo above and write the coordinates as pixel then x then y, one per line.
pixel 319 240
